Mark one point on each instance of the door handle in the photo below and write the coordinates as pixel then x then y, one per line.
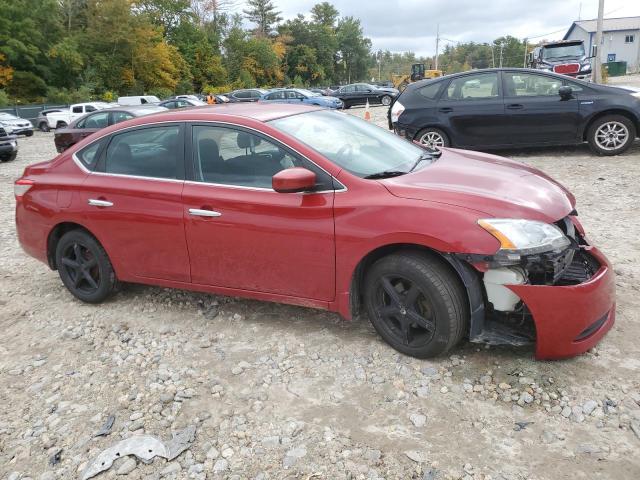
pixel 445 110
pixel 198 212
pixel 99 203
pixel 515 106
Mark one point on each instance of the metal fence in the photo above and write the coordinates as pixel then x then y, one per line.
pixel 30 112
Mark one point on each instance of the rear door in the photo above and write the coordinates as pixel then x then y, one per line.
pixel 133 202
pixel 536 114
pixel 472 110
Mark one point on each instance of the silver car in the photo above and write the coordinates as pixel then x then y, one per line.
pixel 15 125
pixel 41 122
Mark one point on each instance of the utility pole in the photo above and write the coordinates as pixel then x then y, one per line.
pixel 493 58
pixel 501 48
pixel 524 63
pixel 437 44
pixel 597 64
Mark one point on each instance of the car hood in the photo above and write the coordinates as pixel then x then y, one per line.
pixel 16 122
pixel 491 185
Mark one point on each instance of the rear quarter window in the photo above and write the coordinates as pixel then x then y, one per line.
pixel 431 91
pixel 89 155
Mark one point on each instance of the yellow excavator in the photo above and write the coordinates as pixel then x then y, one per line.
pixel 417 73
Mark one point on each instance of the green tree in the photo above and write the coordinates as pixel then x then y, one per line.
pixel 264 14
pixel 325 14
pixel 354 49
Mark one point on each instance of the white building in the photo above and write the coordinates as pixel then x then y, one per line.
pixel 620 40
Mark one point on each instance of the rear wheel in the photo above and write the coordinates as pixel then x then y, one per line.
pixel 84 267
pixel 433 138
pixel 43 127
pixel 611 135
pixel 416 304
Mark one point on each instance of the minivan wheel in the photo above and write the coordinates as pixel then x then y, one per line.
pixel 43 127
pixel 416 304
pixel 386 100
pixel 433 138
pixel 84 267
pixel 611 135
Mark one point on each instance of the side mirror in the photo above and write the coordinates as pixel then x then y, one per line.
pixel 530 58
pixel 292 180
pixel 565 92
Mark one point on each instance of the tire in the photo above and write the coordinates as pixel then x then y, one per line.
pixel 611 135
pixel 346 105
pixel 44 127
pixel 29 133
pixel 61 124
pixel 423 324
pixel 433 137
pixel 97 266
pixel 386 100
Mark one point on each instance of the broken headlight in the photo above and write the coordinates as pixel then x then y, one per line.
pixel 519 237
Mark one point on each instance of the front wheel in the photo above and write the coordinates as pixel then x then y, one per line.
pixel 386 100
pixel 61 124
pixel 611 135
pixel 28 133
pixel 44 127
pixel 433 138
pixel 84 267
pixel 416 304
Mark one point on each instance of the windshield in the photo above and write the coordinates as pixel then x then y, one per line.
pixel 309 93
pixel 562 51
pixel 351 143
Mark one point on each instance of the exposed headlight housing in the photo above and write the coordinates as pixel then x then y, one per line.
pixel 519 237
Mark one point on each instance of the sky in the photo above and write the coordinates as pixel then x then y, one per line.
pixel 410 25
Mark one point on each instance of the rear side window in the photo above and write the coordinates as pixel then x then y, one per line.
pixel 89 155
pixel 154 152
pixel 430 91
pixel 78 110
pixel 473 87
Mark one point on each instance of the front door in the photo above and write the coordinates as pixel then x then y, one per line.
pixel 242 234
pixel 472 110
pixel 536 114
pixel 134 202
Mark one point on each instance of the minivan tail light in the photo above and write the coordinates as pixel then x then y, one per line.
pixel 396 111
pixel 21 187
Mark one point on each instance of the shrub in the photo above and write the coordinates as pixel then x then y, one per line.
pixel 160 92
pixel 27 87
pixel 4 99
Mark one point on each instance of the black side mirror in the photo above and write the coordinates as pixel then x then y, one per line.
pixel 565 92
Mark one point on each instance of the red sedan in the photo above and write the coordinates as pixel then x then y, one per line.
pixel 301 205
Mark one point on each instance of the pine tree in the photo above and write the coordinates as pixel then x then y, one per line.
pixel 264 14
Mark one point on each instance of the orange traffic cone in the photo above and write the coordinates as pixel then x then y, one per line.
pixel 367 113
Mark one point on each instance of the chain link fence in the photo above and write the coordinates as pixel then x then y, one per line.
pixel 30 112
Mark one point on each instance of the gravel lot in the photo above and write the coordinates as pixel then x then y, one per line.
pixel 280 392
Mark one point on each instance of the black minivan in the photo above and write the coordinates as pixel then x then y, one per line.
pixel 516 107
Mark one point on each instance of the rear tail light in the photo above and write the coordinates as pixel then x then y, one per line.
pixel 21 187
pixel 396 111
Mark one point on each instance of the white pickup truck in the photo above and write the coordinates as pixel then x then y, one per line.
pixel 64 117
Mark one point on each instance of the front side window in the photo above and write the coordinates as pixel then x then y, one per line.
pixel 170 105
pixel 481 86
pixel 530 85
pixel 351 143
pixel 227 156
pixel 78 109
pixel 90 108
pixel 97 120
pixel 243 94
pixel 154 152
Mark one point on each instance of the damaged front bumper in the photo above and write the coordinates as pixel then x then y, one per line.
pixel 571 319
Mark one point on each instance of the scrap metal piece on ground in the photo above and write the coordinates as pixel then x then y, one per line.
pixel 145 447
pixel 106 427
pixel 521 425
pixel 56 457
pixel 180 441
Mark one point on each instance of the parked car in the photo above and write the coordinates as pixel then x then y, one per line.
pixel 300 95
pixel 138 100
pixel 307 206
pixel 41 121
pixel 511 107
pixel 361 93
pixel 92 122
pixel 181 103
pixel 246 95
pixel 64 117
pixel 15 125
pixel 8 146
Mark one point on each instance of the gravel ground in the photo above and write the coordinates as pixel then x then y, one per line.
pixel 280 392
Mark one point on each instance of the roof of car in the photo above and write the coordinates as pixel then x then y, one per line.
pixel 262 112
